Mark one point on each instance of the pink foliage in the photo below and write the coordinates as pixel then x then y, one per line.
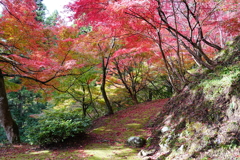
pixel 217 19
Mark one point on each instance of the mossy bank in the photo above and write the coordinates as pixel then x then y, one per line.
pixel 203 121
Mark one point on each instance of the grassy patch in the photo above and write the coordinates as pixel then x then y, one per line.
pixel 126 123
pixel 216 83
pixel 104 151
pixel 44 154
pixel 134 125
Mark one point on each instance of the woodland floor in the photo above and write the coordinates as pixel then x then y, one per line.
pixel 105 140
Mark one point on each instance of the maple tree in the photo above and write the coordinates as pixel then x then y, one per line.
pixel 172 29
pixel 174 33
pixel 101 48
pixel 133 71
pixel 33 52
pixel 105 53
pixel 85 96
pixel 83 91
pixel 120 68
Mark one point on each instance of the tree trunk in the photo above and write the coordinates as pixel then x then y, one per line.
pixel 134 98
pixel 107 102
pixel 91 98
pixel 150 95
pixel 84 105
pixel 104 94
pixel 6 119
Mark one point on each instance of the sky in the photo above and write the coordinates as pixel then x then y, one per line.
pixel 53 5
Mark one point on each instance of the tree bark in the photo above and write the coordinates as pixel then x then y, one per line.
pixel 91 99
pixel 104 94
pixel 105 97
pixel 6 119
pixel 150 95
pixel 134 98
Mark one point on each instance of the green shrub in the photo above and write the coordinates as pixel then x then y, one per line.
pixel 57 125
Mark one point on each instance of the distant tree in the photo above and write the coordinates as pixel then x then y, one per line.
pixel 133 71
pixel 52 19
pixel 101 48
pixel 82 90
pixel 41 14
pixel 40 11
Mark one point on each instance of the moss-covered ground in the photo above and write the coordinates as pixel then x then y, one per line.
pixel 105 140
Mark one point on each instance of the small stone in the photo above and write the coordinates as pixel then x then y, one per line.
pixel 181 148
pixel 164 148
pixel 146 158
pixel 165 129
pixel 147 153
pixel 137 142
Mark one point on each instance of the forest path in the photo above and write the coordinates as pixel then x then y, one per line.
pixel 110 133
pixel 105 141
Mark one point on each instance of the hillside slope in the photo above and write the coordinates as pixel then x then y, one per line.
pixel 203 121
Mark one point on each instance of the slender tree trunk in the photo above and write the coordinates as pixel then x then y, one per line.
pixel 91 99
pixel 84 105
pixel 104 94
pixel 131 88
pixel 167 65
pixel 6 119
pixel 107 102
pixel 150 95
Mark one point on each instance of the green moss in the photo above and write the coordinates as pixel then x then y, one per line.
pixel 164 140
pixel 102 130
pixel 149 142
pixel 189 131
pixel 234 143
pixel 216 82
pixel 180 126
pixel 206 138
pixel 101 151
pixel 203 104
pixel 45 154
pixel 134 125
pixel 206 158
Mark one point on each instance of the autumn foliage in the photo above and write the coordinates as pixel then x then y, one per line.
pixel 174 30
pixel 31 50
pixel 122 44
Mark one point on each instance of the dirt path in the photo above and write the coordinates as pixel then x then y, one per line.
pixel 106 140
